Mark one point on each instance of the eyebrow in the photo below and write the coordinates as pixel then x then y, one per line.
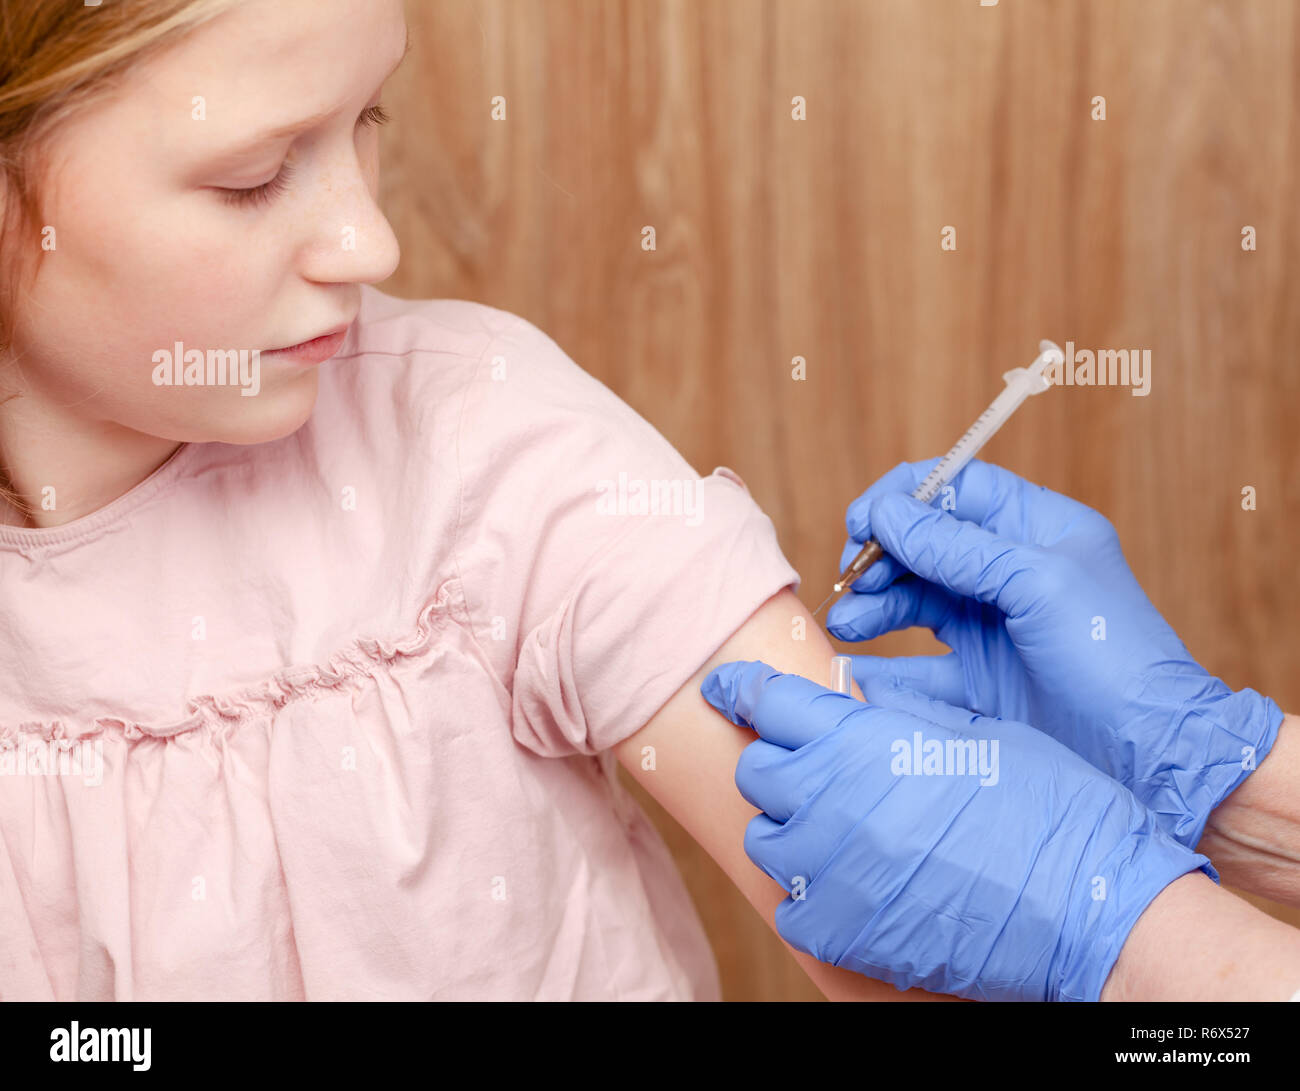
pixel 272 136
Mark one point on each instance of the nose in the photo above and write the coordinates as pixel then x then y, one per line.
pixel 352 240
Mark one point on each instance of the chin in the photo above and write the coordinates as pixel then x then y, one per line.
pixel 266 416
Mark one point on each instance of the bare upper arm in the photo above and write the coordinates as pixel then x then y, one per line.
pixel 696 751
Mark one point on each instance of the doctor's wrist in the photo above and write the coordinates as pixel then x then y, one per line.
pixel 1197 941
pixel 1253 836
pixel 1233 733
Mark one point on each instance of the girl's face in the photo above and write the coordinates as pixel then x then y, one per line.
pixel 223 197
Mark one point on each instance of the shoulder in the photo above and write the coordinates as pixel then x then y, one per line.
pixel 412 330
pixel 410 342
pixel 499 383
pixel 389 326
pixel 427 355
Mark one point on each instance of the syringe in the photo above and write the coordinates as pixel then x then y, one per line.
pixel 1021 383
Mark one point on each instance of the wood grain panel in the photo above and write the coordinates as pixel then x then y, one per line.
pixel 820 238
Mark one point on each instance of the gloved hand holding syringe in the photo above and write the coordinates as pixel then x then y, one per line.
pixel 1138 742
pixel 1021 383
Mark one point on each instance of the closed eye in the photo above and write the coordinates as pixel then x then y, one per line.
pixel 263 194
pixel 266 192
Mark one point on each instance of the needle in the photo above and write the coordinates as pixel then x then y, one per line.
pixel 1021 383
pixel 871 552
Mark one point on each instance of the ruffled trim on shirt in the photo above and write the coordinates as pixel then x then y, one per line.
pixel 350 666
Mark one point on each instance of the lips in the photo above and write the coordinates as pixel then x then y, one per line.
pixel 315 351
pixel 314 342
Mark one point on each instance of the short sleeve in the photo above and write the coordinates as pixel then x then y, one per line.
pixel 619 568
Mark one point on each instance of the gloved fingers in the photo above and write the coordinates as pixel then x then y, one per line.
pixel 902 605
pixel 881 574
pixel 938 676
pixel 904 477
pixel 768 850
pixel 813 918
pixel 959 556
pixel 1007 504
pixel 780 782
pixel 786 709
pixel 887 691
pixel 794 846
pixel 982 493
pixel 765 779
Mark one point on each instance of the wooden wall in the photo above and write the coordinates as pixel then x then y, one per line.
pixel 821 238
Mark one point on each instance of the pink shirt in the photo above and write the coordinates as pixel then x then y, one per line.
pixel 353 692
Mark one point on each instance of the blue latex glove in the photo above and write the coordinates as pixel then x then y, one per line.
pixel 1024 888
pixel 1022 583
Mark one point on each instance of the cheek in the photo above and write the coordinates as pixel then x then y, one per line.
pixel 182 257
pixel 141 277
pixel 118 288
pixel 207 271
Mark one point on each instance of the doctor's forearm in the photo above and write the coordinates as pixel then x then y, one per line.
pixel 1197 941
pixel 1253 837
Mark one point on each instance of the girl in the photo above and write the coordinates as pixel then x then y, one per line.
pixel 326 613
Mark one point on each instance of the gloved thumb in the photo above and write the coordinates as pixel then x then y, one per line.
pixel 786 709
pixel 732 688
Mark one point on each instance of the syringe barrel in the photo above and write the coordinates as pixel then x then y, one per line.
pixel 970 444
